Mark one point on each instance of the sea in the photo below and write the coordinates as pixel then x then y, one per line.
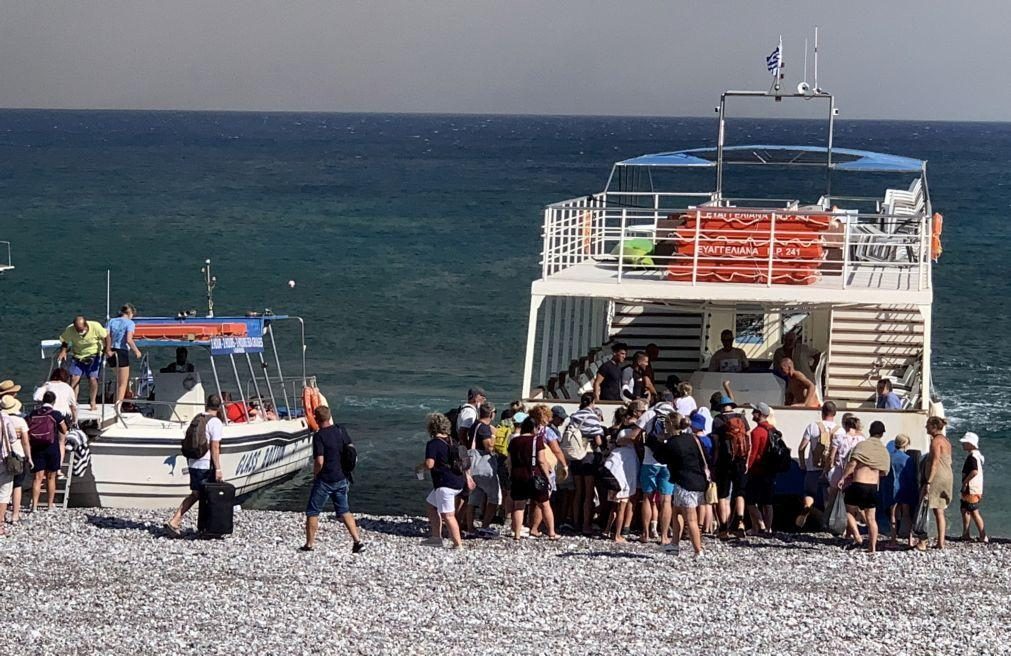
pixel 412 241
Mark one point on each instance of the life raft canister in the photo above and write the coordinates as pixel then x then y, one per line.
pixel 310 401
pixel 937 227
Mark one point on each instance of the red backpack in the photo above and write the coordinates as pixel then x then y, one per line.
pixel 737 434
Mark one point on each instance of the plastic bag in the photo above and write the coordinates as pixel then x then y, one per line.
pixel 837 518
pixel 921 526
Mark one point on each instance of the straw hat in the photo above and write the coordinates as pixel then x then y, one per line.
pixel 8 387
pixel 10 405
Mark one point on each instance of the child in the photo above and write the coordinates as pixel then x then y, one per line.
pixel 972 486
pixel 684 403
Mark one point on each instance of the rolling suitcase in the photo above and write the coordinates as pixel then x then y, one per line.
pixel 217 503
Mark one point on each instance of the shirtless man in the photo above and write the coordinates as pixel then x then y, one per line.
pixel 800 391
pixel 868 462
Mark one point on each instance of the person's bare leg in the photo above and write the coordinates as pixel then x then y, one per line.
pixel 311 525
pixel 16 504
pixel 51 489
pixel 434 522
pixel 646 510
pixel 805 512
pixel 767 517
pixel 893 518
pixel 549 518
pixel 351 525
pixel 966 519
pixel 536 517
pixel 723 506
pixel 93 390
pixel 587 504
pixel 3 515
pixel 489 514
pixel 852 530
pixel 977 518
pixel 757 525
pixel 454 529
pixel 122 381
pixel 665 518
pixel 37 488
pixel 177 519
pixel 517 517
pixel 942 526
pixel 871 520
pixel 619 519
pixel 75 383
pixel 690 519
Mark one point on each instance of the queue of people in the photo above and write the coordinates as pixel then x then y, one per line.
pixel 670 470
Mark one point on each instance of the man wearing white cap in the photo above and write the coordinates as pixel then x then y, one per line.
pixel 972 487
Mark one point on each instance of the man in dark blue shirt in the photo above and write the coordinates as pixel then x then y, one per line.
pixel 330 481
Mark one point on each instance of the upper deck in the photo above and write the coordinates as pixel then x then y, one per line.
pixel 631 242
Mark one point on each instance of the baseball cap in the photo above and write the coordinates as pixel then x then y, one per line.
pixel 970 438
pixel 667 396
pixel 559 412
pixel 519 417
pixel 763 409
pixel 698 422
pixel 476 391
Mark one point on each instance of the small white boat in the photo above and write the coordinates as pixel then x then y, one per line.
pixel 135 458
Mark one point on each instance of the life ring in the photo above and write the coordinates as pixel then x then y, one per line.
pixel 937 227
pixel 310 401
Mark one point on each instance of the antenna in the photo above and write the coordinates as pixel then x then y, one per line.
pixel 211 281
pixel 805 60
pixel 804 88
pixel 817 89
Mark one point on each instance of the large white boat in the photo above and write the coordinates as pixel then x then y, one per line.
pixel 839 247
pixel 135 458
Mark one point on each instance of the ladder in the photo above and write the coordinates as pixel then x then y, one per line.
pixel 64 480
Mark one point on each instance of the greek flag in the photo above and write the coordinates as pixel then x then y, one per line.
pixel 775 61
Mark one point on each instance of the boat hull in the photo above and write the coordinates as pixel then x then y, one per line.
pixel 141 467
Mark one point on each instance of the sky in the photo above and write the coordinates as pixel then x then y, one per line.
pixel 895 59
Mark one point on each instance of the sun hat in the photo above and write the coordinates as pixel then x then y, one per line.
pixel 970 438
pixel 10 405
pixel 519 417
pixel 726 400
pixel 698 422
pixel 9 387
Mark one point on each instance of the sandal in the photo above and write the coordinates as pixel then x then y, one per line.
pixel 554 538
pixel 305 547
pixel 171 530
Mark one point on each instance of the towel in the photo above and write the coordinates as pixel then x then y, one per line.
pixel 872 453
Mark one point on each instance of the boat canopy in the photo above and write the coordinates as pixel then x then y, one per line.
pixel 843 159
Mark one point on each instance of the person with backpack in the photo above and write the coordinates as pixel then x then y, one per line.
pixel 448 479
pixel 581 441
pixel 487 495
pixel 662 421
pixel 47 436
pixel 467 414
pixel 813 452
pixel 730 430
pixel 333 459
pixel 201 446
pixel 761 477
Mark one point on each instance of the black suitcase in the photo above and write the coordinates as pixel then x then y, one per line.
pixel 217 504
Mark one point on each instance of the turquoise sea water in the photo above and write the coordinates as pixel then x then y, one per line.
pixel 413 241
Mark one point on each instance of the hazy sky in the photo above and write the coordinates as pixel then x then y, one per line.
pixel 884 59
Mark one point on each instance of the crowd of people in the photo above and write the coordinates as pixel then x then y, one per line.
pixel 669 471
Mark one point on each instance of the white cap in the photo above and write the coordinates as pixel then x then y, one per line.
pixel 970 438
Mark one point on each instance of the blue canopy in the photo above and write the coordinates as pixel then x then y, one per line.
pixel 843 159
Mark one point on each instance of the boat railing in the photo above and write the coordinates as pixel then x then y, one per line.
pixel 790 245
pixel 6 263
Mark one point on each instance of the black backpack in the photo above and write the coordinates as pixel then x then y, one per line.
pixel 195 445
pixel 777 454
pixel 453 415
pixel 349 460
pixel 459 458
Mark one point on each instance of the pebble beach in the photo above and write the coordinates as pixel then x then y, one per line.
pixel 108 581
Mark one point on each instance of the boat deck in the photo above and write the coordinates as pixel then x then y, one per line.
pixel 866 282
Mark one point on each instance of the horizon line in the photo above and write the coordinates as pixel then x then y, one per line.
pixel 496 114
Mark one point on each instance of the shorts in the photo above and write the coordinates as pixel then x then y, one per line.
pixel 655 479
pixel 443 499
pixel 523 490
pixel 120 359
pixel 758 490
pixel 723 478
pixel 584 467
pixel 87 368
pixel 487 490
pixel 198 477
pixel 970 502
pixel 861 495
pixel 335 492
pixel 6 486
pixel 46 458
pixel 813 482
pixel 738 479
pixel 683 498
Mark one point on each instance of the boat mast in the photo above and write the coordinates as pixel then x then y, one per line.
pixel 210 281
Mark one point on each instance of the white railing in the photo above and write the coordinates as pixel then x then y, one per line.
pixel 721 243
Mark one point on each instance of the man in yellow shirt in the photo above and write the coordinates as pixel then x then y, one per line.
pixel 85 341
